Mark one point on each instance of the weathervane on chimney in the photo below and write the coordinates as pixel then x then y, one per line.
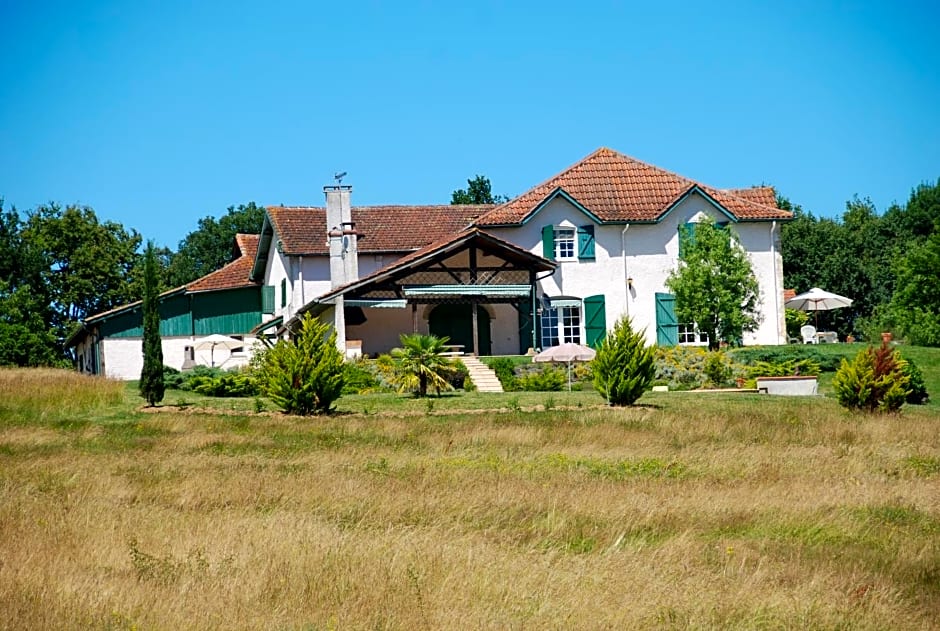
pixel 338 176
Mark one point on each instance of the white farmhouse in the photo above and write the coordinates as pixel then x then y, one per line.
pixel 560 263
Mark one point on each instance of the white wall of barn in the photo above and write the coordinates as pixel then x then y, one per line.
pixel 122 357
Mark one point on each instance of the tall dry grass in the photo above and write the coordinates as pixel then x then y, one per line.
pixel 687 513
pixel 37 394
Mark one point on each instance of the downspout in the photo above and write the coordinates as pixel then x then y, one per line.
pixel 623 254
pixel 773 262
pixel 300 276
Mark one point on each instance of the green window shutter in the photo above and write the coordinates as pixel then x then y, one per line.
pixel 267 299
pixel 595 320
pixel 586 243
pixel 548 242
pixel 283 292
pixel 686 236
pixel 667 326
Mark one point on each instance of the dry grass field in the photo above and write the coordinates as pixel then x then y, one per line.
pixel 689 511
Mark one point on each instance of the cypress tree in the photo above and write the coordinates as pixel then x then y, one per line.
pixel 151 377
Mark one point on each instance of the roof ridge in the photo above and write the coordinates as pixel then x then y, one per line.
pixel 732 193
pixel 368 206
pixel 597 153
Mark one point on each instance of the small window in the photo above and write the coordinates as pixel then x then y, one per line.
pixel 565 244
pixel 283 293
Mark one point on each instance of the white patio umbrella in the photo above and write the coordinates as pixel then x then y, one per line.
pixel 818 300
pixel 566 353
pixel 211 341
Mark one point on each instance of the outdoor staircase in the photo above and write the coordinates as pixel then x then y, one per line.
pixel 482 375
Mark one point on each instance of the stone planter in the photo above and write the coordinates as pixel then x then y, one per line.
pixel 788 386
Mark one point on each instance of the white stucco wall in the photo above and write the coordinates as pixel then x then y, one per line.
pixel 647 253
pixel 122 358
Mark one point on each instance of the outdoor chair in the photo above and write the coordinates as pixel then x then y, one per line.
pixel 808 332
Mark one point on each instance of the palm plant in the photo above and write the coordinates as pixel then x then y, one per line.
pixel 420 363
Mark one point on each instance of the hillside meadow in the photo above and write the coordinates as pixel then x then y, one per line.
pixel 520 510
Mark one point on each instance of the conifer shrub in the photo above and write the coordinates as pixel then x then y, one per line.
pixel 624 367
pixel 875 381
pixel 916 385
pixel 305 375
pixel 233 383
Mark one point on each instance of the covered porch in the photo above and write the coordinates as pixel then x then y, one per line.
pixel 474 288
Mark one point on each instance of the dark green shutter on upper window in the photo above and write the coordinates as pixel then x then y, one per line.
pixel 586 242
pixel 283 293
pixel 267 299
pixel 595 320
pixel 548 242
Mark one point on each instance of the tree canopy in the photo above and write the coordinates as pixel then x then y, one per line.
pixel 209 247
pixel 478 191
pixel 714 284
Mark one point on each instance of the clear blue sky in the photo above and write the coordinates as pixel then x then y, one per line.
pixel 159 113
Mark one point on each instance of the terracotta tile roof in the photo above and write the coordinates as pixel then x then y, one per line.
pixel 765 195
pixel 788 293
pixel 233 275
pixel 617 188
pixel 302 230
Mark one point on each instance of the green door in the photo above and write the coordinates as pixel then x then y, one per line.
pixel 456 323
pixel 667 326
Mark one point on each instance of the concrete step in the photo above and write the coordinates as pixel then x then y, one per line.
pixel 481 375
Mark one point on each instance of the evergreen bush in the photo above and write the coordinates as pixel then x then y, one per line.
pixel 624 367
pixel 305 375
pixel 505 372
pixel 875 381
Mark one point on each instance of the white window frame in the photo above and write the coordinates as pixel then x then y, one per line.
pixel 566 243
pixel 560 325
pixel 689 335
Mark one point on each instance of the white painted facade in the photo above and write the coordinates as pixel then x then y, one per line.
pixel 647 253
pixel 122 357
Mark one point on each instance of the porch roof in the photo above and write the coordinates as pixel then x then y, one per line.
pixel 391 282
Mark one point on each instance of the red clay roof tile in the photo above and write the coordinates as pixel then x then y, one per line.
pixel 617 188
pixel 233 275
pixel 302 230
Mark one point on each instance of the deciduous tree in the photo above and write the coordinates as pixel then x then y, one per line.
pixel 715 286
pixel 209 247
